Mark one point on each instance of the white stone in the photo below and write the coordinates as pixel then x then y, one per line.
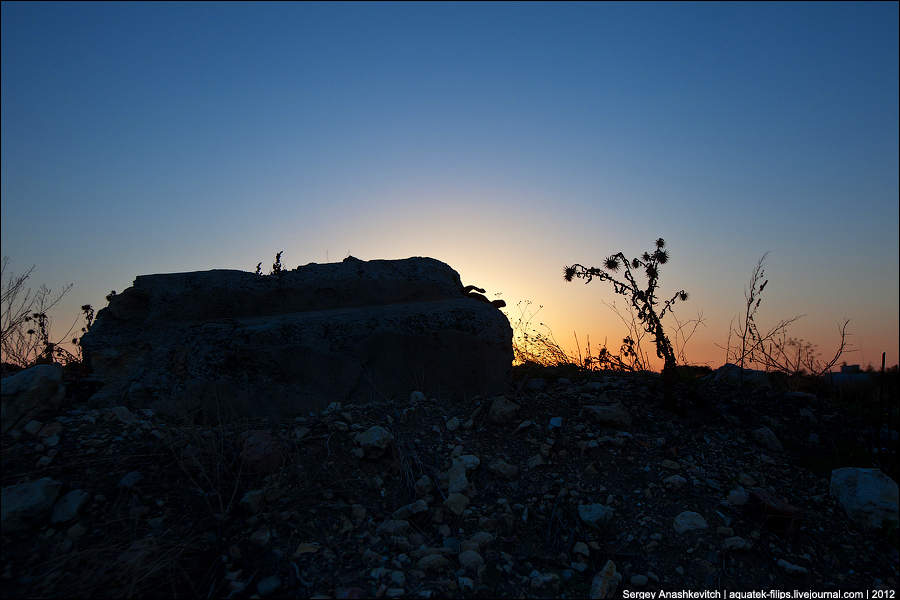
pixel 605 582
pixel 867 495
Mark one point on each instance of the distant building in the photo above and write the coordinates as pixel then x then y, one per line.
pixel 850 374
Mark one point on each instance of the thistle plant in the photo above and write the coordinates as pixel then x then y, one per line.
pixel 277 267
pixel 644 300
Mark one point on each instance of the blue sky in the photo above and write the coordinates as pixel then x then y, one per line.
pixel 507 140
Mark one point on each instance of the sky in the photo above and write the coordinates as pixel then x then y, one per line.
pixel 508 140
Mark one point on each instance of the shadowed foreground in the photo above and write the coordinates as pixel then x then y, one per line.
pixel 572 487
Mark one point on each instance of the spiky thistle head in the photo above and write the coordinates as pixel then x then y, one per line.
pixel 612 263
pixel 660 243
pixel 661 256
pixel 568 273
pixel 635 263
pixel 683 295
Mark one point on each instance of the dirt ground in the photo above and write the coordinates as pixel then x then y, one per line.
pixel 539 495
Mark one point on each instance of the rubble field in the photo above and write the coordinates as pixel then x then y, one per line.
pixel 570 485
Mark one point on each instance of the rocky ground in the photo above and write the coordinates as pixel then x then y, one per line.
pixel 571 485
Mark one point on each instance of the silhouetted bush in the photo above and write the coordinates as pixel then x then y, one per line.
pixel 643 300
pixel 25 329
pixel 774 350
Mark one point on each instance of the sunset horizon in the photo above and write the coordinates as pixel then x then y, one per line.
pixel 508 141
pixel 450 299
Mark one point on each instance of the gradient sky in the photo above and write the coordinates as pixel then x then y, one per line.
pixel 507 140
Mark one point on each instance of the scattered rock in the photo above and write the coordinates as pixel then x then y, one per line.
pixel 268 585
pixel 766 438
pixel 735 543
pixel 423 485
pixel 732 375
pixel 688 520
pixel 433 562
pixel 638 581
pixel 581 548
pixel 867 495
pixel 502 468
pixel 614 415
pixel 456 476
pixel 675 481
pixel 68 507
pixel 393 527
pixel 374 441
pixel 738 497
pixel 502 410
pixel 746 480
pixel 535 461
pixel 29 392
pixel 262 452
pixel 456 503
pixel 540 580
pixel 304 514
pixel 252 500
pixel 471 561
pixel 261 537
pixel 792 569
pixel 724 531
pixel 605 582
pixel 410 510
pixel 595 514
pixel 124 415
pixel 130 480
pixel 25 504
pixel 536 384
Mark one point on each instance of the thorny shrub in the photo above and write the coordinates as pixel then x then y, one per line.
pixel 25 324
pixel 774 350
pixel 643 300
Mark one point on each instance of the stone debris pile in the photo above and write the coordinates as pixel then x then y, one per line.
pixel 284 344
